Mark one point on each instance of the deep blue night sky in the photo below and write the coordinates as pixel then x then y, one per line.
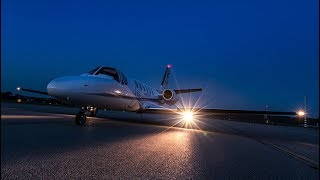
pixel 245 53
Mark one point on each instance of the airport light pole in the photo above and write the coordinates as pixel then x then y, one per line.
pixel 266 117
pixel 305 112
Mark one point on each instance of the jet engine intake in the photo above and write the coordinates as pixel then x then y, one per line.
pixel 169 97
pixel 167 94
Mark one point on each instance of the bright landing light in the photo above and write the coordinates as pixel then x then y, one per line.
pixel 301 113
pixel 187 116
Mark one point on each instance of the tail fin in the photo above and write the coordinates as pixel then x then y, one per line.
pixel 165 83
pixel 165 79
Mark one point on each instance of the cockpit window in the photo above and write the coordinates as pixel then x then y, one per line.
pixel 93 70
pixel 124 79
pixel 109 72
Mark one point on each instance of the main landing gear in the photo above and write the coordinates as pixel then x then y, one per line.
pixel 81 117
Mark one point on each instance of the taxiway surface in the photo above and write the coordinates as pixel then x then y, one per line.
pixel 43 142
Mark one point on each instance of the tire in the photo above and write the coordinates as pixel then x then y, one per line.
pixel 81 119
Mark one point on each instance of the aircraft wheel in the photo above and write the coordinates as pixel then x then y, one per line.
pixel 81 118
pixel 93 113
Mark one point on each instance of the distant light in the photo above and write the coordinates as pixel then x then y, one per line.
pixel 19 100
pixel 117 91
pixel 187 116
pixel 18 88
pixel 301 113
pixel 169 66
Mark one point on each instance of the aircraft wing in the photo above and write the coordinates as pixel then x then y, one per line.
pixel 148 99
pixel 198 111
pixel 160 111
pixel 33 91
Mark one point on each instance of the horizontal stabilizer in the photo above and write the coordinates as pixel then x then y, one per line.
pixel 180 91
pixel 33 91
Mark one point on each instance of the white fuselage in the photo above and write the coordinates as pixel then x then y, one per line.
pixel 102 91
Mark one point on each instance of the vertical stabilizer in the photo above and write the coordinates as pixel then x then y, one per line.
pixel 165 79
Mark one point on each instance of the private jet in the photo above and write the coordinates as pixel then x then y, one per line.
pixel 109 88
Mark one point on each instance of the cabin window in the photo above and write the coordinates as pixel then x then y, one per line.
pixel 140 86
pixel 135 84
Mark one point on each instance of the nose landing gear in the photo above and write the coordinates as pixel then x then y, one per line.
pixel 81 117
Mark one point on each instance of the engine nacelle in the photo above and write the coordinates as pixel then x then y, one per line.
pixel 169 97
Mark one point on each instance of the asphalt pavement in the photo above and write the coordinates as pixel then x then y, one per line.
pixel 43 142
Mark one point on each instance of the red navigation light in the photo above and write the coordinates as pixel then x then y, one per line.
pixel 169 66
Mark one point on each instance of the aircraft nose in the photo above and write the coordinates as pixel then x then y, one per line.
pixel 56 83
pixel 52 84
pixel 69 87
pixel 55 87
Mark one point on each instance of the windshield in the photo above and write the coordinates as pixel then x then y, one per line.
pixel 93 70
pixel 108 72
